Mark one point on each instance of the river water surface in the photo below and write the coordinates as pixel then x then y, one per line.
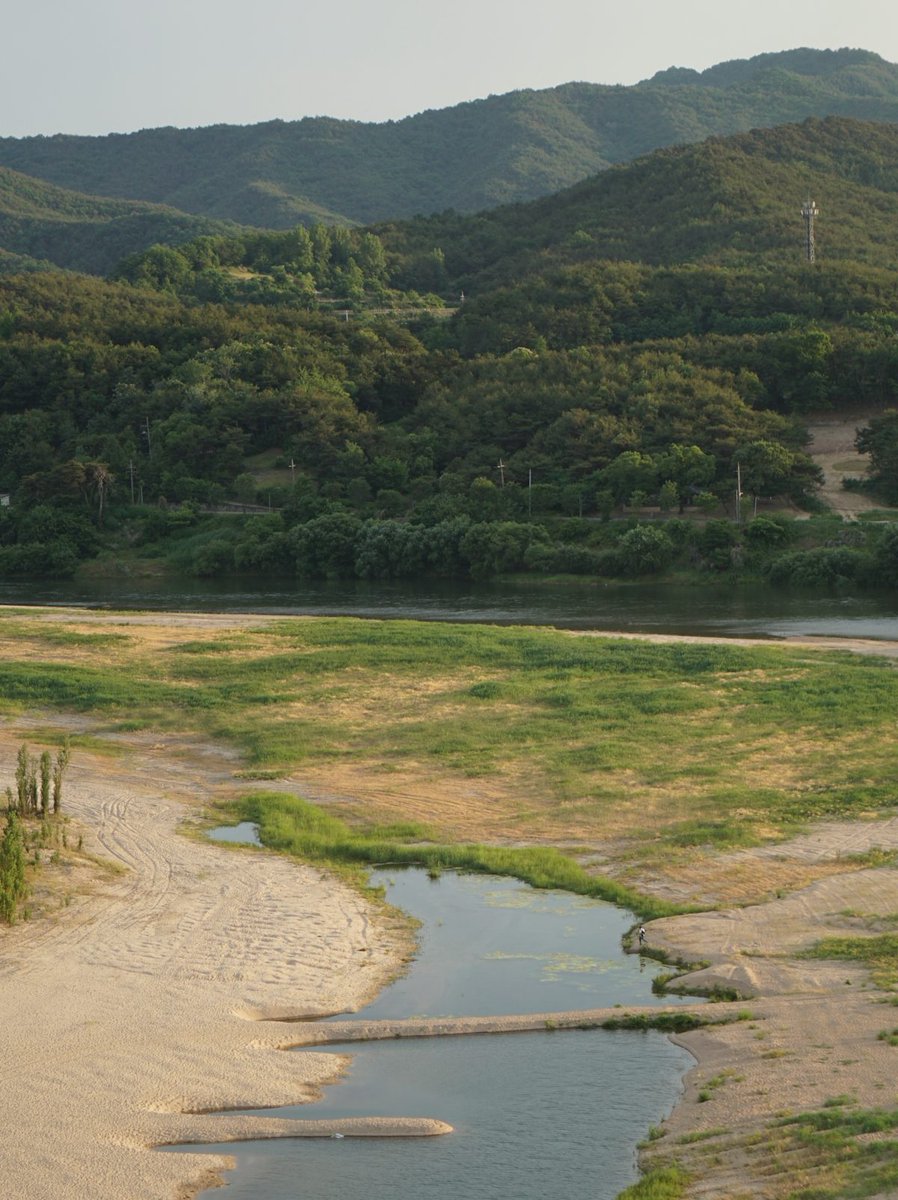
pixel 714 609
pixel 536 1115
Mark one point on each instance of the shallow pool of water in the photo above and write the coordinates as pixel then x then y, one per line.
pixel 491 945
pixel 535 1115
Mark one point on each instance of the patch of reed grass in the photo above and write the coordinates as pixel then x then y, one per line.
pixel 673 1022
pixel 721 835
pixel 83 688
pixel 702 1135
pixel 219 646
pixel 403 831
pixel 664 1183
pixel 49 735
pixel 879 952
pixel 58 635
pixel 295 826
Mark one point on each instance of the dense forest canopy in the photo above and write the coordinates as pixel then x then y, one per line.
pixel 727 201
pixel 621 348
pixel 43 226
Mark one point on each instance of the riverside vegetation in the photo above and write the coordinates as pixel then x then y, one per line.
pixel 34 823
pixel 839 1151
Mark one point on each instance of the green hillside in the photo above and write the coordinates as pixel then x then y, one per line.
pixel 470 157
pixel 42 224
pixel 624 346
pixel 726 200
pixel 710 214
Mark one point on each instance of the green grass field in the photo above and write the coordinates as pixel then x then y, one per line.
pixel 671 746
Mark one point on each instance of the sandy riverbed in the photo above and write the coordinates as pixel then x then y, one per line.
pixel 132 1010
pixel 119 1012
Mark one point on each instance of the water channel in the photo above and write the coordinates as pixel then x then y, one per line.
pixel 535 1115
pixel 715 609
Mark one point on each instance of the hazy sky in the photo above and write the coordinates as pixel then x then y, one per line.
pixel 98 66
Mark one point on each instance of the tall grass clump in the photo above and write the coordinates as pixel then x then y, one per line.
pixel 665 1183
pixel 295 826
pixel 878 952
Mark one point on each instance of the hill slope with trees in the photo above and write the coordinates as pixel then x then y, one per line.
pixel 43 225
pixel 603 365
pixel 469 157
pixel 725 200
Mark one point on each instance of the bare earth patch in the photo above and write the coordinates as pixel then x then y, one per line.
pixel 832 448
pixel 814 1030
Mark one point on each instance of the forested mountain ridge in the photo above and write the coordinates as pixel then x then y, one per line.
pixel 711 215
pixel 43 226
pixel 720 200
pixel 469 157
pixel 625 345
pixel 724 200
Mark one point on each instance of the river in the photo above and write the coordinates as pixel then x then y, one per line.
pixel 535 1115
pixel 715 609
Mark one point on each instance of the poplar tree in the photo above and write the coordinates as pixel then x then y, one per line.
pixel 22 764
pixel 45 783
pixel 59 768
pixel 12 869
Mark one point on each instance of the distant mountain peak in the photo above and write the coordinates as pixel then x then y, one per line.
pixel 801 61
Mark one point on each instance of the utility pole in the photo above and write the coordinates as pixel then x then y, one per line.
pixel 501 469
pixel 145 430
pixel 810 211
pixel 292 473
pixel 738 493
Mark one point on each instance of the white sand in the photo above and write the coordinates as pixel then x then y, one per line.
pixel 122 1011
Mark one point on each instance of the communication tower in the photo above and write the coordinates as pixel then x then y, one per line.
pixel 809 211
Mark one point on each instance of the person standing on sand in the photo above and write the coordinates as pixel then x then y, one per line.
pixel 642 936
